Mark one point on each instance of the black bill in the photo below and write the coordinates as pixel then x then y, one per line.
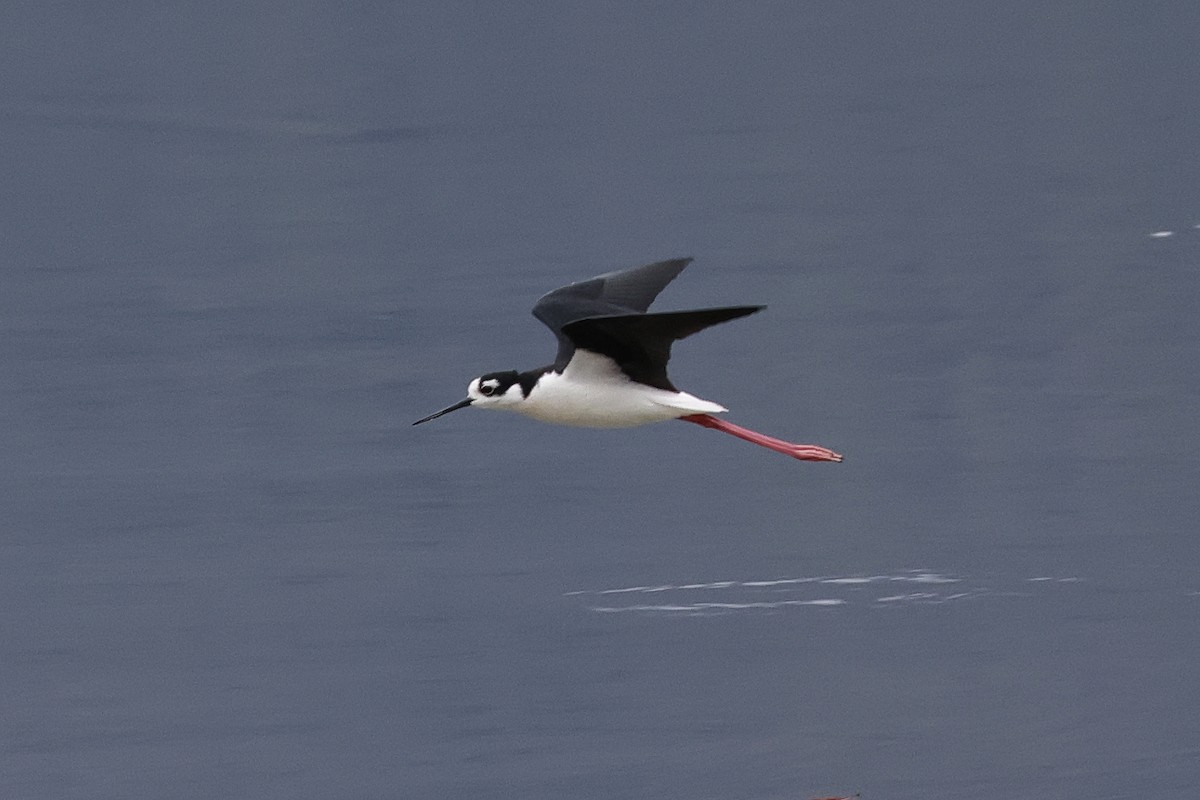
pixel 455 407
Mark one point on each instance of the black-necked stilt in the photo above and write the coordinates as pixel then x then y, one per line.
pixel 611 368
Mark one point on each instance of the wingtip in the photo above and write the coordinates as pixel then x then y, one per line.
pixel 677 264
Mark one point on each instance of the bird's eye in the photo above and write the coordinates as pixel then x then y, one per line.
pixel 487 389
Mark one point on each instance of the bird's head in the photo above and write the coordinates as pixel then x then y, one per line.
pixel 493 390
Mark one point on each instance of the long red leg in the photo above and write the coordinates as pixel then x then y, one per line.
pixel 804 452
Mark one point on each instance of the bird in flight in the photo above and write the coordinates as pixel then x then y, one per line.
pixel 611 367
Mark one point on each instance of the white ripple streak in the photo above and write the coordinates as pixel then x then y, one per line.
pixel 761 594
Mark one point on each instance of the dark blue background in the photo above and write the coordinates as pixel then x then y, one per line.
pixel 245 245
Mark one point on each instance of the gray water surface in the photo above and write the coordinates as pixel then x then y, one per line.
pixel 246 245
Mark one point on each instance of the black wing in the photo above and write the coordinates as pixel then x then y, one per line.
pixel 613 294
pixel 641 343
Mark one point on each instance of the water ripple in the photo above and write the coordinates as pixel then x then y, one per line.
pixel 929 587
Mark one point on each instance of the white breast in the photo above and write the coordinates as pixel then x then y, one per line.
pixel 592 392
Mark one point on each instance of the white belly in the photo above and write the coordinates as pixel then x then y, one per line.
pixel 592 392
